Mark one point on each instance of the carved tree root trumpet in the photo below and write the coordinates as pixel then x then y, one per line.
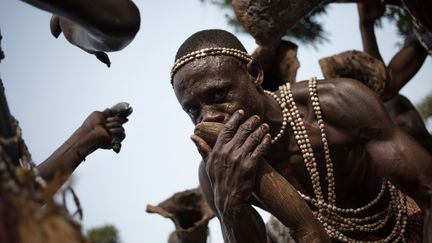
pixel 277 195
pixel 189 213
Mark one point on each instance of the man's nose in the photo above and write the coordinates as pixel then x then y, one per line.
pixel 212 115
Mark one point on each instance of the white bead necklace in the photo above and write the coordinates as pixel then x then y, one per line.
pixel 285 112
pixel 328 213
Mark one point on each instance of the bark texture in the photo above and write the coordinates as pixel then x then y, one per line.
pixel 268 20
pixel 356 65
pixel 23 219
pixel 190 214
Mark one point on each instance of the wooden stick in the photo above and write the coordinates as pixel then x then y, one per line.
pixel 277 195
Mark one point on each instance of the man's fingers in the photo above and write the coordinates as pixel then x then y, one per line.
pixel 115 121
pixel 123 120
pixel 108 112
pixel 203 148
pixel 255 138
pixel 117 131
pixel 112 125
pixel 230 127
pixel 246 129
pixel 262 148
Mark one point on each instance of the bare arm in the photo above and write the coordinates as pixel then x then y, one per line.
pixel 408 166
pixel 249 223
pixel 405 64
pixel 96 132
pixel 396 155
pixel 368 14
pixel 228 176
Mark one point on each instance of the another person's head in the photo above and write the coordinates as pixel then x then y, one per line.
pixel 213 76
pixel 280 64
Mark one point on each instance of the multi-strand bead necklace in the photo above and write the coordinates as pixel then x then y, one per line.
pixel 332 217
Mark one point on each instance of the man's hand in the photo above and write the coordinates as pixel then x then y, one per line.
pixel 97 131
pixel 233 162
pixel 101 127
pixel 371 11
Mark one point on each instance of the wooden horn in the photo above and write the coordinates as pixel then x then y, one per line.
pixel 277 195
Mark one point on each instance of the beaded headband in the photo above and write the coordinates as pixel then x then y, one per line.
pixel 214 51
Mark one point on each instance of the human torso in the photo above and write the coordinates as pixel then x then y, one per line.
pixel 356 180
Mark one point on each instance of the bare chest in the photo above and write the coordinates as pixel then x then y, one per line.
pixel 349 158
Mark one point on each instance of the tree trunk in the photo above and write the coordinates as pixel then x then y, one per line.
pixel 267 21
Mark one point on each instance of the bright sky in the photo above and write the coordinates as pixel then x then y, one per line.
pixel 52 86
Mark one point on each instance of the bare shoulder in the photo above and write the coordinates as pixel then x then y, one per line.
pixel 340 92
pixel 344 87
pixel 350 105
pixel 334 86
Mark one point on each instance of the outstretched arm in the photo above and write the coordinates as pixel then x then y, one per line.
pixel 368 14
pixel 96 132
pixel 404 65
pixel 94 26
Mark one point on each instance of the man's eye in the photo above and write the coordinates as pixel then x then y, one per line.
pixel 220 95
pixel 193 110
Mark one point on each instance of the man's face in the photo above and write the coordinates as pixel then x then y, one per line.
pixel 210 89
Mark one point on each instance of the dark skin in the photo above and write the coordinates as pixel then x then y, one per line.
pixel 96 132
pixel 404 65
pixel 94 26
pixel 219 89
